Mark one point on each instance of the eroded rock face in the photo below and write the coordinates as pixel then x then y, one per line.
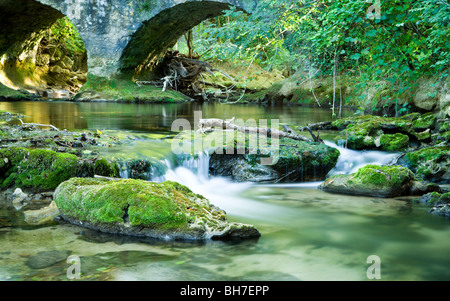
pixel 372 180
pixel 139 208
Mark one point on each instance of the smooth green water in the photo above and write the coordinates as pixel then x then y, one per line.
pixel 307 234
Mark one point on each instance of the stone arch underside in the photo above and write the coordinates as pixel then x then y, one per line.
pixel 161 32
pixel 22 25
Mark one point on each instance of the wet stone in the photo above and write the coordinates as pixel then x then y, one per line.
pixel 47 258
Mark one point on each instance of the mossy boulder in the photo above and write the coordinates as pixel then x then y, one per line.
pixel 36 169
pixel 372 180
pixel 165 210
pixel 424 122
pixel 366 132
pixel 431 163
pixel 40 169
pixel 292 161
pixel 97 167
pixel 435 198
pixel 394 142
pixel 440 203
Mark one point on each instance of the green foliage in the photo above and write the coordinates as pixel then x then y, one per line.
pixel 63 33
pixel 406 41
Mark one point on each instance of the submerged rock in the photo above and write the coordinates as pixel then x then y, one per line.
pixel 47 259
pixel 293 161
pixel 439 201
pixel 135 207
pixel 41 216
pixel 372 180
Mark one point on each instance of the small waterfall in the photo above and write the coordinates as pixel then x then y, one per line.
pixel 351 160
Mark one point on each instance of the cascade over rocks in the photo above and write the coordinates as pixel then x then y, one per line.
pixel 294 161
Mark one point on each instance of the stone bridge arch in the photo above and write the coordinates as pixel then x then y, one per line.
pixel 118 34
pixel 111 29
pixel 162 31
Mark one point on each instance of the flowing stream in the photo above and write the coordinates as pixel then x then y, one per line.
pixel 307 234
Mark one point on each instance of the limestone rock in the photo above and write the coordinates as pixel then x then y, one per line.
pixel 41 216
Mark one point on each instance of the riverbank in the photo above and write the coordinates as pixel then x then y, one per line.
pixel 428 94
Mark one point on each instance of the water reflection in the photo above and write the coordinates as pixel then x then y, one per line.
pixel 153 117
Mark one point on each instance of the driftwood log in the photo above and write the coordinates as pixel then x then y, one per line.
pixel 40 125
pixel 208 125
pixel 315 126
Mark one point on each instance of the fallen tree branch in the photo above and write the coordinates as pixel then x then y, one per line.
pixel 315 126
pixel 107 178
pixel 207 125
pixel 41 125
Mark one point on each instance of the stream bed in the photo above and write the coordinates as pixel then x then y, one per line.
pixel 307 234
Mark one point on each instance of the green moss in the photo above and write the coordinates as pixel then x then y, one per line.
pixel 305 158
pixel 124 89
pixel 103 167
pixel 344 122
pixel 445 136
pixel 431 163
pixel 362 132
pixel 6 92
pixel 166 205
pixel 394 142
pixel 422 136
pixel 444 127
pixel 426 121
pixel 293 160
pixel 372 180
pixel 411 116
pixel 427 154
pixel 39 169
pixel 375 175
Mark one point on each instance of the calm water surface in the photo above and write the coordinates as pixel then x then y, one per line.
pixel 307 234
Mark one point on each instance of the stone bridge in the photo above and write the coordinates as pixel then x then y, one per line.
pixel 118 34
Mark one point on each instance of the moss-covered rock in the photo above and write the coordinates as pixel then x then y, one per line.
pixel 372 180
pixel 37 169
pixel 365 132
pixel 140 208
pixel 394 142
pixel 424 122
pixel 440 203
pixel 435 198
pixel 431 163
pixel 103 167
pixel 292 161
pixel 40 169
